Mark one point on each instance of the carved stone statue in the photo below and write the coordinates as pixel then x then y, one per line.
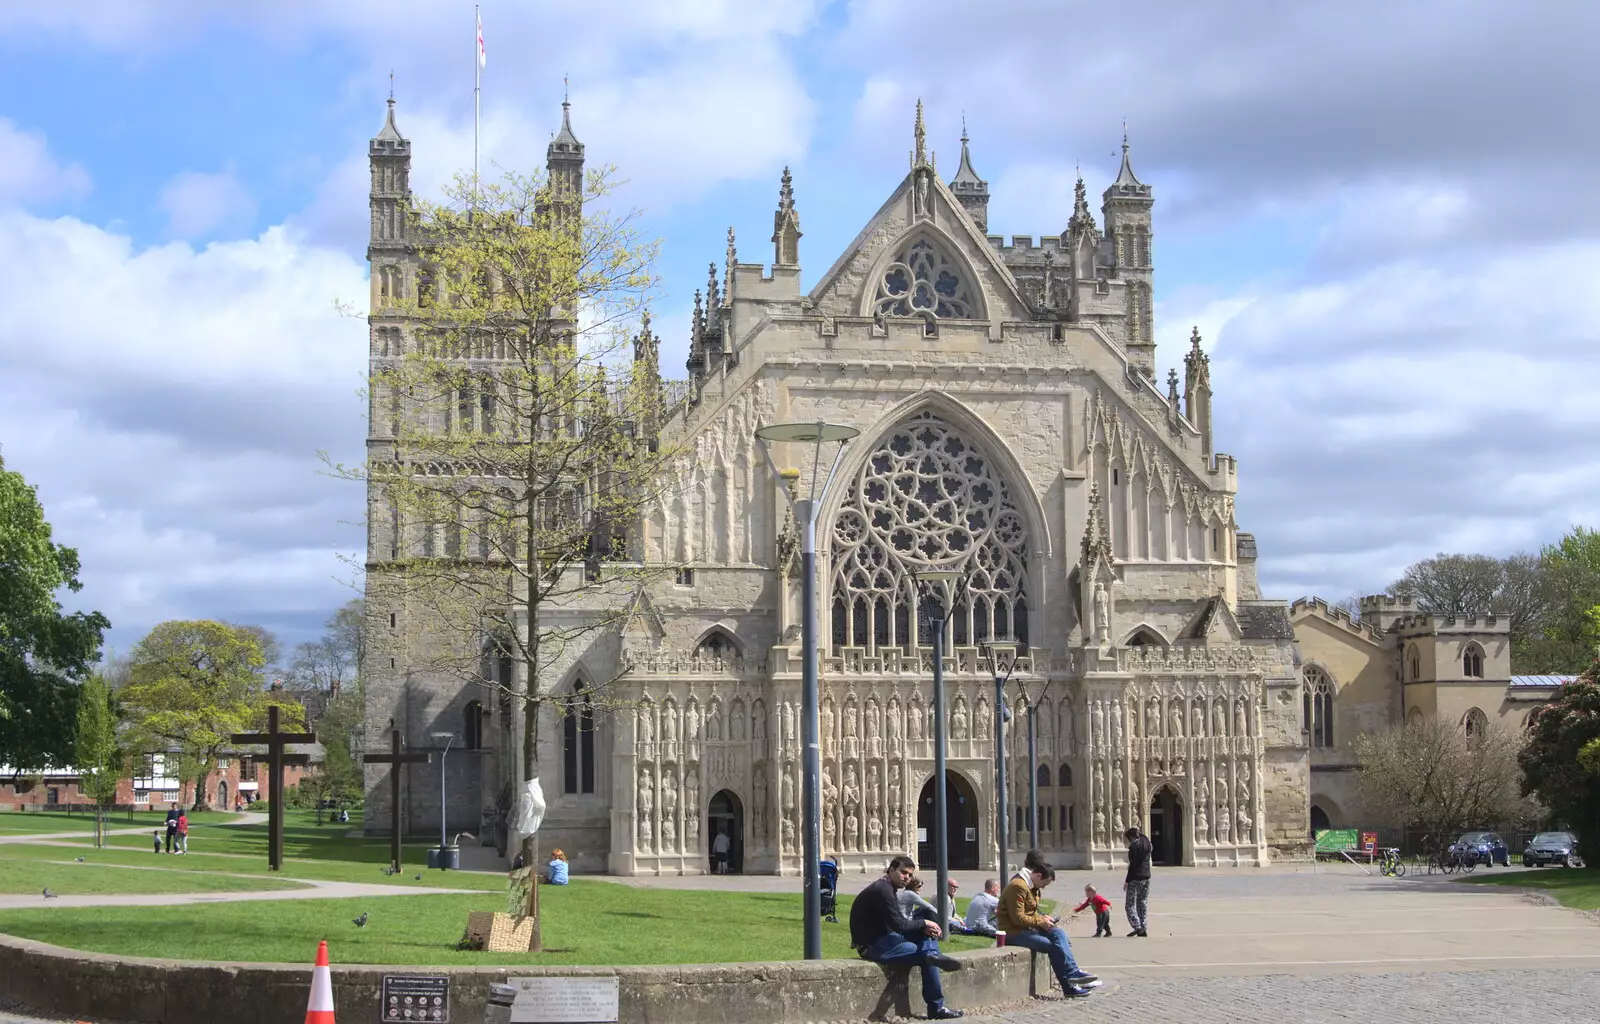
pixel 897 833
pixel 852 791
pixel 851 830
pixel 1098 723
pixel 874 791
pixel 895 803
pixel 922 192
pixel 1116 727
pixel 789 742
pixel 1241 722
pixel 1116 783
pixel 958 720
pixel 1219 717
pixel 874 730
pixel 669 725
pixel 827 723
pixel 1100 824
pixel 646 808
pixel 874 833
pixel 1102 614
pixel 691 729
pixel 916 720
pixel 758 798
pixel 894 726
pixel 982 719
pixel 1068 730
pixel 646 727
pixel 852 726
pixel 1224 824
pixel 1152 718
pixel 736 722
pixel 1197 720
pixel 1175 719
pixel 691 805
pixel 786 797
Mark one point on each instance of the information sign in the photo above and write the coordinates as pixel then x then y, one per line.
pixel 415 997
pixel 558 1000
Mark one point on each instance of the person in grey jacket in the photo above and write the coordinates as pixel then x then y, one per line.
pixel 1137 881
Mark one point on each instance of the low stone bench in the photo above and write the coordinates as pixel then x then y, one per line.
pixel 71 983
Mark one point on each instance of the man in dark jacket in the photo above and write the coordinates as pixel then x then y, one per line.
pixel 172 828
pixel 1137 882
pixel 880 932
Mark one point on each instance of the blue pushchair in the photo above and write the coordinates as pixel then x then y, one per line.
pixel 828 875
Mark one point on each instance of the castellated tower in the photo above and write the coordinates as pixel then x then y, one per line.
pixel 1126 207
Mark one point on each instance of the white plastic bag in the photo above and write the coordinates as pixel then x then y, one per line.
pixel 530 809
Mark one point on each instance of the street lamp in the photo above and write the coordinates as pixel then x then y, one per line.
pixel 936 586
pixel 805 511
pixel 444 843
pixel 996 651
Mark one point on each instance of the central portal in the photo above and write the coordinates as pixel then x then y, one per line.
pixel 1166 828
pixel 961 824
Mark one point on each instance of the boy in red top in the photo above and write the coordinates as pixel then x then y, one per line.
pixel 1102 911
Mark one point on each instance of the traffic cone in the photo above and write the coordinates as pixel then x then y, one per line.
pixel 319 1008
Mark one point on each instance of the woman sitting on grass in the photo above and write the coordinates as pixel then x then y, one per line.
pixel 558 869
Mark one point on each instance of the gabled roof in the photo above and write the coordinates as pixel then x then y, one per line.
pixel 1215 619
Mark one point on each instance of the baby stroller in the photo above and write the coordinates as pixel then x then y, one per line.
pixel 828 874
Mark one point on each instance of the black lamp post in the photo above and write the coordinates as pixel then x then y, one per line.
pixel 995 651
pixel 805 510
pixel 936 595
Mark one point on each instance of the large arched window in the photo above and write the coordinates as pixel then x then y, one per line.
pixel 1064 776
pixel 1317 696
pixel 717 646
pixel 1472 661
pixel 1413 663
pixel 1474 723
pixel 927 498
pixel 923 281
pixel 577 742
pixel 472 725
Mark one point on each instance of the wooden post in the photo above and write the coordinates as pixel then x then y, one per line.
pixel 394 759
pixel 275 742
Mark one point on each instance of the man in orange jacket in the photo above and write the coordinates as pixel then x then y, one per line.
pixel 1024 926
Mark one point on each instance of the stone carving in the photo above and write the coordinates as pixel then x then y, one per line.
pixel 1100 825
pixel 1116 821
pixel 758 800
pixel 958 720
pixel 916 720
pixel 829 737
pixel 1197 719
pixel 788 836
pixel 691 730
pixel 982 719
pixel 1224 825
pixel 852 826
pixel 646 809
pixel 1202 799
pixel 852 807
pixel 897 832
pixel 874 833
pixel 736 722
pixel 1175 719
pixel 1152 718
pixel 1219 717
pixel 669 809
pixel 1102 614
pixel 852 728
pixel 1098 739
pixel 758 729
pixel 874 791
pixel 1241 723
pixel 1116 729
pixel 646 727
pixel 874 718
pixel 789 714
pixel 895 747
pixel 714 720
pixel 830 804
pixel 895 803
pixel 691 807
pixel 1068 729
pixel 1116 784
pixel 669 729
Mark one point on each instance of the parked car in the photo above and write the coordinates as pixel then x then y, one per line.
pixel 1482 848
pixel 1551 848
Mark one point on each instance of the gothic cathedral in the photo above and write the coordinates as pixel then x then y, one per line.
pixel 1014 427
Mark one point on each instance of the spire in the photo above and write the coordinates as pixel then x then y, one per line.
pixel 969 189
pixel 727 271
pixel 646 346
pixel 712 299
pixel 1197 363
pixel 1127 184
pixel 786 226
pixel 1197 390
pixel 919 133
pixel 1082 219
pixel 565 143
pixel 389 137
pixel 1096 538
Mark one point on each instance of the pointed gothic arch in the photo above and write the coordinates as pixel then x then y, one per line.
pixel 1472 660
pixel 578 756
pixel 928 256
pixel 718 643
pixel 1145 635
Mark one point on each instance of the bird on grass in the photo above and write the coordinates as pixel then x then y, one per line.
pixel 419 878
pixel 48 894
pixel 80 860
pixel 391 870
pixel 360 922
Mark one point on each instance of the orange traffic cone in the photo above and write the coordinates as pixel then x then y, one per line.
pixel 319 1008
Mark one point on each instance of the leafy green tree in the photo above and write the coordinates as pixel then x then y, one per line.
pixel 1565 637
pixel 193 685
pixel 525 416
pixel 1561 761
pixel 99 758
pixel 42 650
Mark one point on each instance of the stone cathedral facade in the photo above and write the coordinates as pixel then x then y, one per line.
pixel 1015 425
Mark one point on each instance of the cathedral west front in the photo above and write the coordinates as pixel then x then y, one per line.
pixel 1017 425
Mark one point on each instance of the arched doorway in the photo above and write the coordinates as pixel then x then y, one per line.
pixel 726 816
pixel 1166 828
pixel 1319 821
pixel 961 824
pixel 222 796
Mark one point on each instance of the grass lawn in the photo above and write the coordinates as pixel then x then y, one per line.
pixel 28 876
pixel 1574 888
pixel 321 870
pixel 303 839
pixel 22 822
pixel 588 922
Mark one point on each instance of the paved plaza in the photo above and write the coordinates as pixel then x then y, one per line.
pixel 1293 943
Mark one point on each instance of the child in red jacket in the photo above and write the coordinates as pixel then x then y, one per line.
pixel 1102 911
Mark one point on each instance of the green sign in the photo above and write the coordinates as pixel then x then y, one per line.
pixel 1331 840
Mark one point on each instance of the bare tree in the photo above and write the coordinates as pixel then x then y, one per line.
pixel 1452 584
pixel 1436 775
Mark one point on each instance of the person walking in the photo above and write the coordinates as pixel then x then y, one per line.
pixel 880 933
pixel 1136 884
pixel 172 828
pixel 721 846
pixel 1102 910
pixel 183 832
pixel 1024 926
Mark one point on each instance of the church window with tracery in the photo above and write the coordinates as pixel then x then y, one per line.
pixel 1472 661
pixel 923 281
pixel 1318 704
pixel 927 498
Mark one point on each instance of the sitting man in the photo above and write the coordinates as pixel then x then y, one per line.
pixel 981 909
pixel 1024 926
pixel 881 932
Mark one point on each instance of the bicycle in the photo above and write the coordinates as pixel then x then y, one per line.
pixel 1390 864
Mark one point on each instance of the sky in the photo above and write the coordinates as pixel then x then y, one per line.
pixel 1380 216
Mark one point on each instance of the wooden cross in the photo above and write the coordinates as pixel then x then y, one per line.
pixel 395 758
pixel 275 742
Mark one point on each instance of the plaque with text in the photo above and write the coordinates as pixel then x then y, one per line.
pixel 556 1000
pixel 415 997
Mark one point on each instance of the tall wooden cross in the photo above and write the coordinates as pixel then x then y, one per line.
pixel 395 759
pixel 275 742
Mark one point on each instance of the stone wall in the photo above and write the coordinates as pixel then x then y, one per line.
pixel 69 983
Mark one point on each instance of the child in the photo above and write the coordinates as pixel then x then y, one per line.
pixel 157 834
pixel 1102 911
pixel 183 832
pixel 557 874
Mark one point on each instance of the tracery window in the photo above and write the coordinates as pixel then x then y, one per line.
pixel 927 498
pixel 923 281
pixel 1317 698
pixel 1474 723
pixel 1472 661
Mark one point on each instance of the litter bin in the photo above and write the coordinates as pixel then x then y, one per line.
pixel 448 857
pixel 498 1008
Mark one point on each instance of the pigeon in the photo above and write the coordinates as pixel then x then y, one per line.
pixel 391 870
pixel 48 894
pixel 419 878
pixel 360 922
pixel 80 860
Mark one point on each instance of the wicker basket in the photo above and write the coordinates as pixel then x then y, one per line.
pixel 499 933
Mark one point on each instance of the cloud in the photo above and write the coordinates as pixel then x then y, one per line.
pixel 199 204
pixel 30 174
pixel 169 403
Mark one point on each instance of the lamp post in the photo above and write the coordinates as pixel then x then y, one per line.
pixel 993 651
pixel 805 511
pixel 936 590
pixel 444 843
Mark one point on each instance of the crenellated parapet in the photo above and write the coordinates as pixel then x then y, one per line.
pixel 1339 616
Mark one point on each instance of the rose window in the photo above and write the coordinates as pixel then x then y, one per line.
pixel 922 281
pixel 927 498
